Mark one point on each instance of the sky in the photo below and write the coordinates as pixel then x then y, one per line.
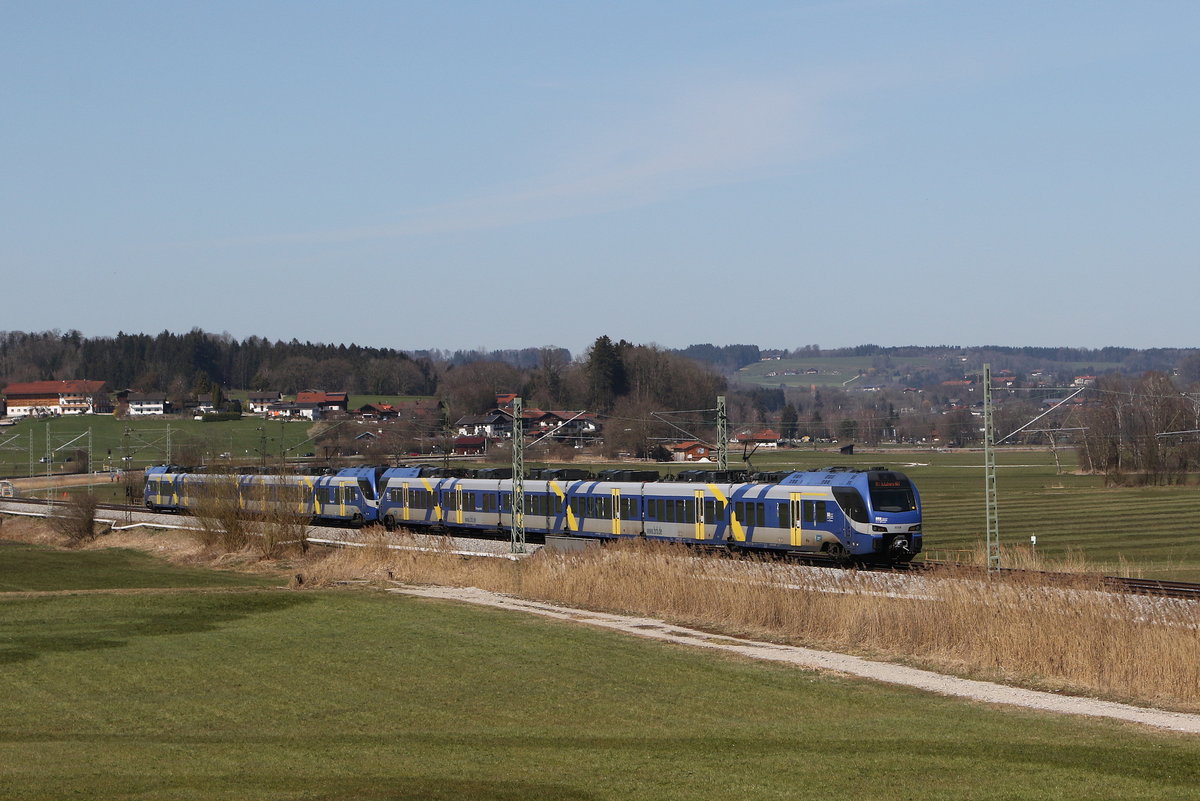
pixel 460 175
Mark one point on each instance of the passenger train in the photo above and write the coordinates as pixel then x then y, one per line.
pixel 867 515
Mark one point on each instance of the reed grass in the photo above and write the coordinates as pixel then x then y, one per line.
pixel 1023 628
pixel 263 519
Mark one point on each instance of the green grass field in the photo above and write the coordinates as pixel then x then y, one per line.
pixel 145 441
pixel 252 694
pixel 30 568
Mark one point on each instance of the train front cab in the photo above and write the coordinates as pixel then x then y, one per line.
pixel 882 512
pixel 161 492
pixel 894 514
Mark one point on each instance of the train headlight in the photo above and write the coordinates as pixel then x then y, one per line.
pixel 917 527
pixel 881 529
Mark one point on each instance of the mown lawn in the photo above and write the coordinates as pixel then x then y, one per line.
pixel 358 695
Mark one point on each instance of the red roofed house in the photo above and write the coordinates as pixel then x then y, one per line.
pixel 324 402
pixel 767 438
pixel 691 452
pixel 42 398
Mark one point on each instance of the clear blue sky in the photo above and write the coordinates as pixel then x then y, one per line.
pixel 514 174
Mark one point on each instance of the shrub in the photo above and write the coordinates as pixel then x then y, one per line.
pixel 75 518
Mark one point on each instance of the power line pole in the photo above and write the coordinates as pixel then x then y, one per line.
pixel 989 474
pixel 518 479
pixel 722 435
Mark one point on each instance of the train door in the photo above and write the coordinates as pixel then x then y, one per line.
pixel 404 499
pixel 800 538
pixel 616 512
pixel 698 514
pixel 458 504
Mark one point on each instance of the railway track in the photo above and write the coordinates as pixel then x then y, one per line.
pixel 1130 586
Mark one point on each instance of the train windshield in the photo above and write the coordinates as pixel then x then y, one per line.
pixel 893 494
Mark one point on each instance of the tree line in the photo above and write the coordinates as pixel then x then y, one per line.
pixel 648 395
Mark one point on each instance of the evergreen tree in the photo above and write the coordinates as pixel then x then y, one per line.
pixel 607 378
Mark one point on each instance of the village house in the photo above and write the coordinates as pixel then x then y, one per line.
pixel 259 402
pixel 45 398
pixel 691 452
pixel 766 438
pixel 141 404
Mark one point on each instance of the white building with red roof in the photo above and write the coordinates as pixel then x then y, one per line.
pixel 43 398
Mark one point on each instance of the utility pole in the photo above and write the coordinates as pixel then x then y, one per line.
pixel 518 479
pixel 722 435
pixel 989 474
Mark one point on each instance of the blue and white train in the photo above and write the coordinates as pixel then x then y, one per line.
pixel 868 515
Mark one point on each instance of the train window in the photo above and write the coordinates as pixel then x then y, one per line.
pixel 739 512
pixel 760 510
pixel 823 516
pixel 852 503
pixel 606 508
pixel 808 511
pixel 785 515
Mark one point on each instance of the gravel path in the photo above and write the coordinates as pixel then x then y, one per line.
pixel 823 660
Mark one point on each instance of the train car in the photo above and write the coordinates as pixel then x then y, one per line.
pixel 845 514
pixel 349 496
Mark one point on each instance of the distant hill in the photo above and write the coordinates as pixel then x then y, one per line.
pixel 870 365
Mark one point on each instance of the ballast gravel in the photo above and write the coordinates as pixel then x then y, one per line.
pixel 808 658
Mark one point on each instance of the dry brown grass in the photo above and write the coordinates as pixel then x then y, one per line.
pixel 226 525
pixel 1026 557
pixel 1025 628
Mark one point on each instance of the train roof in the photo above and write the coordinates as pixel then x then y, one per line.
pixel 841 477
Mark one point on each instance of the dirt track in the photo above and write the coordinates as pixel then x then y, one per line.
pixel 50 482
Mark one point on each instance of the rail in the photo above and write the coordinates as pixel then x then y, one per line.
pixel 1131 586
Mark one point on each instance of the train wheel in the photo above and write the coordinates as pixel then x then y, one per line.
pixel 356 520
pixel 389 523
pixel 837 552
